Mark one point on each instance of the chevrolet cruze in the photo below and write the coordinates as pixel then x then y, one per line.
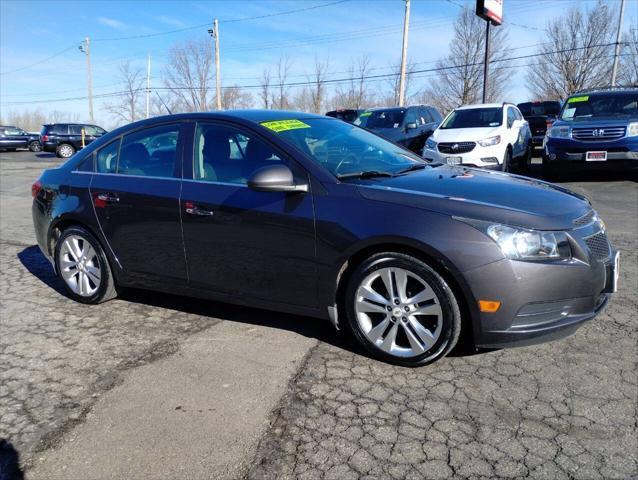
pixel 310 215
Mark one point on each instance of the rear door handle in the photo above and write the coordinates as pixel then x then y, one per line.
pixel 193 209
pixel 108 198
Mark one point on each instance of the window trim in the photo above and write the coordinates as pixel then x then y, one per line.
pixel 117 163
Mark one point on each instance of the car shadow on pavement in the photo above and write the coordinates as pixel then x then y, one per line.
pixel 9 462
pixel 590 175
pixel 36 263
pixel 46 155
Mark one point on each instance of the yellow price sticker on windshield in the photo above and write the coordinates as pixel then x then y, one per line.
pixel 583 98
pixel 365 114
pixel 284 125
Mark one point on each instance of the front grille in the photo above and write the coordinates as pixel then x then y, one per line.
pixel 456 147
pixel 599 246
pixel 585 219
pixel 595 134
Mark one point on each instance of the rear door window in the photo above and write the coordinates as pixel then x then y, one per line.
pixel 106 160
pixel 150 153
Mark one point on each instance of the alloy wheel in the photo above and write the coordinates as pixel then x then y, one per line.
pixel 35 147
pixel 65 151
pixel 79 266
pixel 399 312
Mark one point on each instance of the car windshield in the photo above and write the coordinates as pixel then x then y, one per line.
pixel 343 148
pixel 594 106
pixel 388 118
pixel 474 118
pixel 533 109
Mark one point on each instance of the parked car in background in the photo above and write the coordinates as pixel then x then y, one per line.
pixel 407 126
pixel 309 215
pixel 64 139
pixel 493 136
pixel 346 114
pixel 539 116
pixel 595 127
pixel 12 138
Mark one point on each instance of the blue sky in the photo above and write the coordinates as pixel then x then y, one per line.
pixel 32 31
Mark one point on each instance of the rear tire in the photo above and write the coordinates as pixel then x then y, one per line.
pixel 65 150
pixel 35 146
pixel 83 267
pixel 418 323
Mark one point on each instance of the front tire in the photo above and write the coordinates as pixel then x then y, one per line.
pixel 507 161
pixel 65 150
pixel 83 267
pixel 35 146
pixel 401 310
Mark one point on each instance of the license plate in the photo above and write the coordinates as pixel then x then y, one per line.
pixel 453 160
pixel 613 273
pixel 596 156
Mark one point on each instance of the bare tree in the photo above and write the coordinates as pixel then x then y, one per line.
pixel 318 92
pixel 126 107
pixel 356 92
pixel 459 77
pixel 390 94
pixel 284 64
pixel 234 97
pixel 264 92
pixel 629 63
pixel 577 53
pixel 188 74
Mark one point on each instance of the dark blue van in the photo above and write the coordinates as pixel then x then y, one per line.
pixel 594 128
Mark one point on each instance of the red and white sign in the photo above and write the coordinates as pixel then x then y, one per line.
pixel 491 10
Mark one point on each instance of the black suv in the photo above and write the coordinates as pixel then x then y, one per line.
pixel 407 126
pixel 12 138
pixel 539 116
pixel 66 138
pixel 346 114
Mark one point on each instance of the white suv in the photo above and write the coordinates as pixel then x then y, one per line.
pixel 488 135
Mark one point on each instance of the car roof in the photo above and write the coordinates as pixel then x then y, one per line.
pixel 482 105
pixel 596 93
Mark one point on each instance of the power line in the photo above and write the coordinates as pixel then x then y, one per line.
pixel 75 45
pixel 329 81
pixel 231 20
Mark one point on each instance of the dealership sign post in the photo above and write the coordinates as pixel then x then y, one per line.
pixel 492 12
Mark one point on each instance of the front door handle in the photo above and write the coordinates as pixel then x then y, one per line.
pixel 193 209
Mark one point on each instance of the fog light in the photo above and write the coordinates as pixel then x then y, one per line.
pixel 489 160
pixel 489 306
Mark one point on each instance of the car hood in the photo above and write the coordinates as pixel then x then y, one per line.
pixel 482 195
pixel 464 134
pixel 392 134
pixel 585 122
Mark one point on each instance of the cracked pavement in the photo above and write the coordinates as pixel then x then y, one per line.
pixel 566 409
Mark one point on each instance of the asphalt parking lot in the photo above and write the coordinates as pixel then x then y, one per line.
pixel 154 386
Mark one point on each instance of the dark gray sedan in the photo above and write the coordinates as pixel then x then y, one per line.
pixel 310 215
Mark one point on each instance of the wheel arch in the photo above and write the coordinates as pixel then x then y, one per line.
pixel 437 261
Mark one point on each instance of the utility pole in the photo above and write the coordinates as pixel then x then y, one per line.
pixel 614 71
pixel 486 61
pixel 214 32
pixel 86 49
pixel 404 53
pixel 148 87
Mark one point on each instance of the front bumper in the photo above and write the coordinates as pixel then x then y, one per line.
pixel 569 151
pixel 482 157
pixel 541 301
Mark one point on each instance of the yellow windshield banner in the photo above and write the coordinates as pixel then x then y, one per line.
pixel 284 125
pixel 365 114
pixel 583 98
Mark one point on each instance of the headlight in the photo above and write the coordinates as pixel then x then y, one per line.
pixel 525 244
pixel 488 142
pixel 431 144
pixel 632 129
pixel 561 131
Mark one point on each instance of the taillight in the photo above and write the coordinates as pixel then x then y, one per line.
pixel 35 189
pixel 45 138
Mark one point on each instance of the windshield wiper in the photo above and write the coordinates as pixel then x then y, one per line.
pixel 364 174
pixel 412 168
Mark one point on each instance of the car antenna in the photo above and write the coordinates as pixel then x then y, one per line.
pixel 167 109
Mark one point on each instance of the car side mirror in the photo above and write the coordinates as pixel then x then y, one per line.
pixel 410 126
pixel 275 178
